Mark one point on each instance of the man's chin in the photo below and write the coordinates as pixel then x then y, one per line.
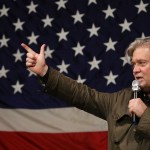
pixel 145 88
pixel 142 85
pixel 141 82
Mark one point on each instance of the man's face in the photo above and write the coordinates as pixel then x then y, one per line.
pixel 141 67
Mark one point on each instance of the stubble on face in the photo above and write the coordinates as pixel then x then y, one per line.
pixel 141 60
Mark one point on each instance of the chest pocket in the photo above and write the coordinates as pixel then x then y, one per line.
pixel 124 134
pixel 121 128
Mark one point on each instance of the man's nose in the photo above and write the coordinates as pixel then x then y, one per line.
pixel 136 69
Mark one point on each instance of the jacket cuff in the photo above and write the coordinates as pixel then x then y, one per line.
pixel 44 79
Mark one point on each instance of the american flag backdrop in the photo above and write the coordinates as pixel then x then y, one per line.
pixel 86 40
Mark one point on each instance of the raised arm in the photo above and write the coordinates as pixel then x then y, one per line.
pixel 34 61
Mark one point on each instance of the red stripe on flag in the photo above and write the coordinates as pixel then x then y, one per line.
pixel 54 141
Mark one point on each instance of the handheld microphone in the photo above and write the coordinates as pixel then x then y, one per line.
pixel 135 89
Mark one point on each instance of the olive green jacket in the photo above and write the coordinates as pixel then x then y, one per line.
pixel 112 107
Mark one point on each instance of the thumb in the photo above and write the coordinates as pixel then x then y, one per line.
pixel 42 50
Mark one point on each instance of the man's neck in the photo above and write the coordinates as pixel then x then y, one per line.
pixel 148 95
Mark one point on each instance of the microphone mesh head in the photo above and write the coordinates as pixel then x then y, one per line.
pixel 135 85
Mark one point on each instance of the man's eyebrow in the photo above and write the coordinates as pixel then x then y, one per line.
pixel 138 60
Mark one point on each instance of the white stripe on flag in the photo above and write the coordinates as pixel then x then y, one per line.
pixel 50 120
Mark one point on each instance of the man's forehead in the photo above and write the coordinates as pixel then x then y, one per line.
pixel 142 50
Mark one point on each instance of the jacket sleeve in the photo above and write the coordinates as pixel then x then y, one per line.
pixel 143 127
pixel 78 95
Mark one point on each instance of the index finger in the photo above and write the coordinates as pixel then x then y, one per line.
pixel 27 48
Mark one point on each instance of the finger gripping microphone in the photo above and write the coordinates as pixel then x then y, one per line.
pixel 135 89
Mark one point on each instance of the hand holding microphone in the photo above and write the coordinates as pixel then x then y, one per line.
pixel 136 105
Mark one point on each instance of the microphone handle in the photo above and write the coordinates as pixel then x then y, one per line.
pixel 134 118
